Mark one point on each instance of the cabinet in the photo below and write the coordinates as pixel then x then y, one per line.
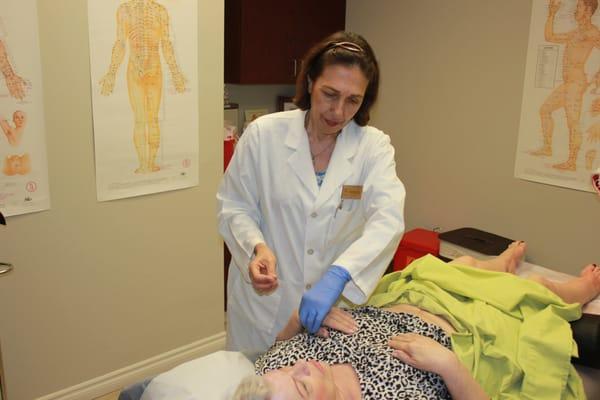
pixel 265 40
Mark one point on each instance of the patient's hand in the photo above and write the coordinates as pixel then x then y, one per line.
pixel 337 319
pixel 422 352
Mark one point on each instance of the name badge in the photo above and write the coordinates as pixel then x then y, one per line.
pixel 352 192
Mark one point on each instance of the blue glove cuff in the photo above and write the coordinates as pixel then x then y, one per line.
pixel 339 272
pixel 319 299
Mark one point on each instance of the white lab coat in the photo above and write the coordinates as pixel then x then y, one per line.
pixel 269 194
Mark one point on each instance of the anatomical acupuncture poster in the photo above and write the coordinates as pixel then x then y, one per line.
pixel 559 133
pixel 144 59
pixel 23 161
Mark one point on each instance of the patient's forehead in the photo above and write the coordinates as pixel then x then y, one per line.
pixel 277 374
pixel 281 383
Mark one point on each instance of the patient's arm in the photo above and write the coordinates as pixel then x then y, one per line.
pixel 292 327
pixel 336 319
pixel 426 354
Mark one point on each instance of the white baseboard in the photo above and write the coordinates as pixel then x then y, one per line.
pixel 136 372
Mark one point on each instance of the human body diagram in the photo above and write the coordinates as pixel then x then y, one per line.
pixel 14 83
pixel 14 131
pixel 570 95
pixel 24 185
pixel 13 164
pixel 144 26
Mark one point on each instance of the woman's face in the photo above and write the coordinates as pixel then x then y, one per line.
pixel 305 380
pixel 335 97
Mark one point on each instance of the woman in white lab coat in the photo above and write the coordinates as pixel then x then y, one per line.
pixel 310 206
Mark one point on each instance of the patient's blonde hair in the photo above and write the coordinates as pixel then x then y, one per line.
pixel 253 388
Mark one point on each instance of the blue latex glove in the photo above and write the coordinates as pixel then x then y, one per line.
pixel 319 299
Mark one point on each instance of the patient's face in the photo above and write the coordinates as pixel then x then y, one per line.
pixel 305 380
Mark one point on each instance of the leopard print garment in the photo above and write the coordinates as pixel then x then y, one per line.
pixel 381 376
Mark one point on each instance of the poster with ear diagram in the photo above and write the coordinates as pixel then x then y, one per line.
pixel 559 132
pixel 23 161
pixel 144 63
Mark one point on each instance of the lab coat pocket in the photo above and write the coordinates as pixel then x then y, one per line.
pixel 346 226
pixel 258 310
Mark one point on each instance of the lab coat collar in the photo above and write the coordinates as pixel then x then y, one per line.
pixel 339 168
pixel 299 159
pixel 340 164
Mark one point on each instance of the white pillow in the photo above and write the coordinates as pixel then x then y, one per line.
pixel 214 376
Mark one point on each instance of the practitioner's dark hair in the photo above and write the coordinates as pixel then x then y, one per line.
pixel 344 48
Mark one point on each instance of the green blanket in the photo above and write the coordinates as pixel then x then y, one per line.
pixel 512 334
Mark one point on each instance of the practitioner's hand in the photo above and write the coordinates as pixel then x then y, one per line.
pixel 262 269
pixel 339 320
pixel 553 6
pixel 317 301
pixel 422 352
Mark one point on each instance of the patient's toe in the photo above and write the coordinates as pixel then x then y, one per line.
pixel 592 273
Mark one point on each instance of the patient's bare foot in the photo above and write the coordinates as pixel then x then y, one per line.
pixel 513 255
pixel 591 274
pixel 505 262
pixel 578 290
pixel 508 260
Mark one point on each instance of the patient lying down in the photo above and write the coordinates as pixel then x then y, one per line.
pixel 468 329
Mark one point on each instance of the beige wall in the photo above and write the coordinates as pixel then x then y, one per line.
pixel 451 91
pixel 101 286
